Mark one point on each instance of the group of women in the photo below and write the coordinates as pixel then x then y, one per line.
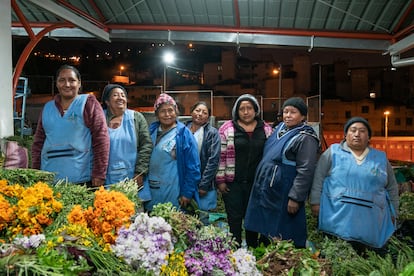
pixel 264 174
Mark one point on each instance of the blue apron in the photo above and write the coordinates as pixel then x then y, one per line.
pixel 354 202
pixel 267 209
pixel 67 150
pixel 162 178
pixel 123 150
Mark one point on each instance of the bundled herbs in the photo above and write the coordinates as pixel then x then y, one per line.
pixel 282 258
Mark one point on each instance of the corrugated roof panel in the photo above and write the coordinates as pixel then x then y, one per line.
pixel 228 11
pixel 304 14
pixel 200 12
pixel 395 10
pixel 114 12
pixel 353 19
pixel 371 16
pixel 389 14
pixel 318 20
pixel 409 20
pixel 134 10
pixel 256 13
pixel 354 14
pixel 156 10
pixel 288 14
pixel 145 14
pixel 244 12
pixel 272 14
pixel 186 12
pixel 215 12
pixel 170 9
pixel 34 14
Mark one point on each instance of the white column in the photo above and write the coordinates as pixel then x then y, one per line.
pixel 6 76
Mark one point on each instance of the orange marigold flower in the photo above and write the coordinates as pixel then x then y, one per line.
pixel 76 215
pixel 42 219
pixel 106 227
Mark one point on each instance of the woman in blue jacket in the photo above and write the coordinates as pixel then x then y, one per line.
pixel 208 141
pixel 174 169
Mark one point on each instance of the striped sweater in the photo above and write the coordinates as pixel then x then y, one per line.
pixel 226 170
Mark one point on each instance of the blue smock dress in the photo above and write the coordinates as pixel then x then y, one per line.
pixel 67 148
pixel 267 209
pixel 123 150
pixel 162 175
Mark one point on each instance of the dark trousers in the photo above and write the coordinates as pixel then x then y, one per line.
pixel 235 202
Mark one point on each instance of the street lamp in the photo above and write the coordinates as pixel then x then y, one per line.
pixel 168 58
pixel 278 71
pixel 120 69
pixel 386 113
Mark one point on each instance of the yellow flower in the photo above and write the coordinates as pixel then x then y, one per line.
pixel 111 210
pixel 176 265
pixel 30 209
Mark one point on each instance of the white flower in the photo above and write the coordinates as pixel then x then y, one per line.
pixel 30 242
pixel 245 263
pixel 146 243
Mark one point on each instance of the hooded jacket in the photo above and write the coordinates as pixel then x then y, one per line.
pixel 226 170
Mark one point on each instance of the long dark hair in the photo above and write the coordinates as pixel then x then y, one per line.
pixel 69 67
pixel 200 103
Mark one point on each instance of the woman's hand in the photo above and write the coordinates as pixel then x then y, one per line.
pixel 183 201
pixel 293 207
pixel 202 193
pixel 139 180
pixel 96 182
pixel 315 210
pixel 222 187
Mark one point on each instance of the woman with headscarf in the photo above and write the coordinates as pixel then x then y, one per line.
pixel 283 178
pixel 208 141
pixel 354 191
pixel 130 142
pixel 174 169
pixel 242 141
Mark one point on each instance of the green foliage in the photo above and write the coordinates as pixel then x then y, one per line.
pixel 406 206
pixel 26 177
pixel 106 261
pixel 282 258
pixel 408 270
pixel 345 261
pixel 73 194
pixel 47 262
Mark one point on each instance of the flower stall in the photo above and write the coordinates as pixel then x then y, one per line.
pixel 66 229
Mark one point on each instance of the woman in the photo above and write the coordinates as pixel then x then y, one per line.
pixel 354 192
pixel 283 178
pixel 242 141
pixel 174 169
pixel 208 141
pixel 130 142
pixel 72 138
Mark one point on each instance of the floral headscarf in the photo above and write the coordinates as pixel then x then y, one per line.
pixel 162 99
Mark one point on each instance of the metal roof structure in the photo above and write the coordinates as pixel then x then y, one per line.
pixel 384 26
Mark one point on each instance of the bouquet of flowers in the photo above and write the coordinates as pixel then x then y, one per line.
pixel 146 243
pixel 112 210
pixel 27 210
